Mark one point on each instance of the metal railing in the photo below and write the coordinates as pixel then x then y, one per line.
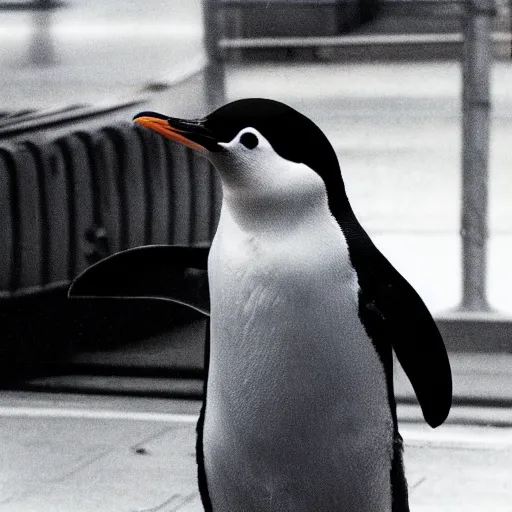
pixel 476 107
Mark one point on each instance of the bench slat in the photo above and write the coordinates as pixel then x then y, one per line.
pixel 7 228
pixel 157 172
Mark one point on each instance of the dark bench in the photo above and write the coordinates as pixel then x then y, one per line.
pixel 69 201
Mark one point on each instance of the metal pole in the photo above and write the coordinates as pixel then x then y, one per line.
pixel 214 73
pixel 476 108
pixel 42 52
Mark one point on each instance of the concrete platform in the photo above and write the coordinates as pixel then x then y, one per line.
pixel 66 453
pixel 170 365
pixel 101 50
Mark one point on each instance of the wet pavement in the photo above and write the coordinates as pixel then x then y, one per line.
pixel 98 51
pixel 85 454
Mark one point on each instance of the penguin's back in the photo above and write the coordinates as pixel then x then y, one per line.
pixel 297 415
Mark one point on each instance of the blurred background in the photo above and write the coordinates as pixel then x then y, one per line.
pixel 415 96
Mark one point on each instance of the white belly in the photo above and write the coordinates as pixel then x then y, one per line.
pixel 297 416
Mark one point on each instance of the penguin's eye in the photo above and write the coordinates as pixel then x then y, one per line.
pixel 249 140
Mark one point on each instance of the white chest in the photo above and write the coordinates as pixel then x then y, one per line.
pixel 297 411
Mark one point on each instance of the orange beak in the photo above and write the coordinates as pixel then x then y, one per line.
pixel 190 133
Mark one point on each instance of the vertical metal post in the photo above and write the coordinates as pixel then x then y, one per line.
pixel 214 73
pixel 476 108
pixel 42 52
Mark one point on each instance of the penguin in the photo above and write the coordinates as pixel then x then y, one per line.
pixel 305 314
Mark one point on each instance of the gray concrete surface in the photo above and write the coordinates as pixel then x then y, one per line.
pixel 477 378
pixel 103 51
pixel 64 453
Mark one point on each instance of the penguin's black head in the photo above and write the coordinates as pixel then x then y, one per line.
pixel 249 125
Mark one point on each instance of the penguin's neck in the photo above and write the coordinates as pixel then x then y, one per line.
pixel 272 213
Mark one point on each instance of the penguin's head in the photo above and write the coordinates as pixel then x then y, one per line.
pixel 260 147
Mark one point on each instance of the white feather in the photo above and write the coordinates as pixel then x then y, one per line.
pixel 297 415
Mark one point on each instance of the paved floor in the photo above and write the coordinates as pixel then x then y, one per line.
pixel 66 453
pixel 478 378
pixel 101 51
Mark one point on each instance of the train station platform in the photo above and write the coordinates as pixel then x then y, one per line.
pixel 65 452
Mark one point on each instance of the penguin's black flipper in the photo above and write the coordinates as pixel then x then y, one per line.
pixel 201 471
pixel 167 272
pixel 407 324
